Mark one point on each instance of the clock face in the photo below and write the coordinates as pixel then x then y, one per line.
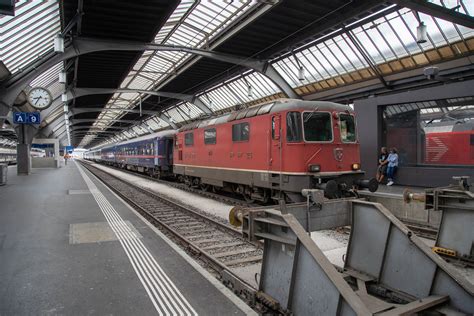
pixel 40 98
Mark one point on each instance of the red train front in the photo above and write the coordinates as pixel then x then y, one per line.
pixel 282 146
pixel 449 143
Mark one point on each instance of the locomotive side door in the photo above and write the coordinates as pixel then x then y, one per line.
pixel 179 147
pixel 169 150
pixel 155 152
pixel 275 143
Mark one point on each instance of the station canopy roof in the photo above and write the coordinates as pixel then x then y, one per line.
pixel 315 46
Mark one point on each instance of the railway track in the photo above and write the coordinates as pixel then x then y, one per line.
pixel 234 260
pixel 422 230
pixel 218 246
pixel 419 229
pixel 221 197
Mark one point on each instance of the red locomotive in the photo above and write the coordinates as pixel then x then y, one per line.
pixel 283 146
pixel 449 143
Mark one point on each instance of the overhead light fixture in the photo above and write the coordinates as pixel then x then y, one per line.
pixel 66 117
pixel 301 74
pixel 301 70
pixel 421 33
pixel 431 72
pixel 59 43
pixel 66 108
pixel 209 101
pixel 249 87
pixel 62 76
pixel 64 97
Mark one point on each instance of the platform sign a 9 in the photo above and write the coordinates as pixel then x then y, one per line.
pixel 26 118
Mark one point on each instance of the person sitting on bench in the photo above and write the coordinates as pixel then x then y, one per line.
pixel 382 167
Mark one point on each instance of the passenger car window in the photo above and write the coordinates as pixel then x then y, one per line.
pixel 210 136
pixel 240 132
pixel 189 139
pixel 317 127
pixel 347 128
pixel 293 127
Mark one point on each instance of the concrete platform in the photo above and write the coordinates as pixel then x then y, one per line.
pixel 68 245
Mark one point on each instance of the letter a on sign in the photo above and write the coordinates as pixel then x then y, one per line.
pixel 19 119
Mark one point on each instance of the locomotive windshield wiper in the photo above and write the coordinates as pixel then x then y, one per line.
pixel 311 114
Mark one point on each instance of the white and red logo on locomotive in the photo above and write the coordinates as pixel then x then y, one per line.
pixel 338 154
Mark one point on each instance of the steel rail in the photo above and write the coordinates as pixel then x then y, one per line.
pixel 421 230
pixel 215 196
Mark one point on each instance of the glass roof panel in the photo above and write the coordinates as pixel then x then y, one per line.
pixel 29 34
pixel 50 80
pixel 388 38
pixel 192 24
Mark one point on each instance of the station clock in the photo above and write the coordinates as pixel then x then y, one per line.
pixel 40 98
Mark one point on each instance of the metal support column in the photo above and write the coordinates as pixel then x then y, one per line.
pixel 26 134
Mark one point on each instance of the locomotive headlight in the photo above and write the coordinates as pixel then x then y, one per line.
pixel 314 168
pixel 355 166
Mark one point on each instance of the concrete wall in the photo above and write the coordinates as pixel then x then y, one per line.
pixel 414 211
pixel 44 162
pixel 47 163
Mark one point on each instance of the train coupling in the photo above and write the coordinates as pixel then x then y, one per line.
pixel 409 196
pixel 370 184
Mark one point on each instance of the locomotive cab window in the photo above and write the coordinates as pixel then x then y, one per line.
pixel 317 127
pixel 240 132
pixel 189 139
pixel 293 127
pixel 347 128
pixel 210 136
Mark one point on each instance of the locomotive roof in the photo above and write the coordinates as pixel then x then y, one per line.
pixel 274 106
pixel 449 126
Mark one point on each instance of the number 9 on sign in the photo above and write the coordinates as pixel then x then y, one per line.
pixel 33 118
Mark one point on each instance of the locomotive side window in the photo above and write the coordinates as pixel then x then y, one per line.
pixel 245 135
pixel 273 127
pixel 293 127
pixel 210 136
pixel 347 128
pixel 317 127
pixel 189 139
pixel 240 132
pixel 276 127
